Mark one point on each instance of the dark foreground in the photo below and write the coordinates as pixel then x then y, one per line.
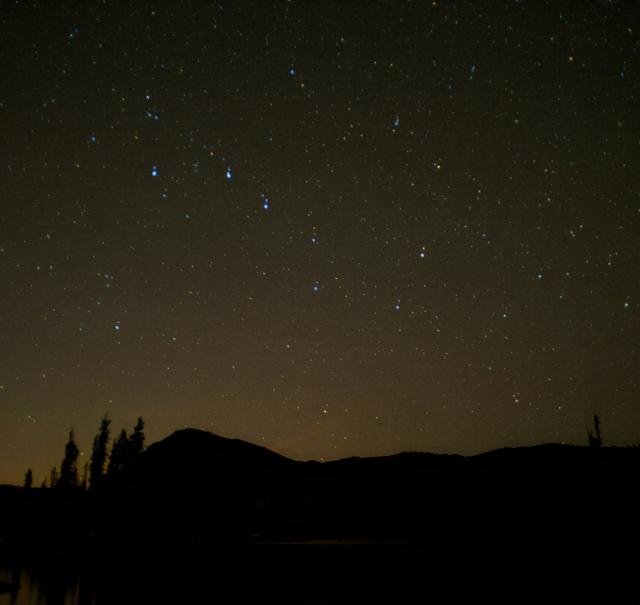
pixel 199 516
pixel 327 573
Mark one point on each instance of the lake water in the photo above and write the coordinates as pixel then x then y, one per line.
pixel 315 574
pixel 44 589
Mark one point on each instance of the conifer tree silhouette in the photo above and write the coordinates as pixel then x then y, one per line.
pixel 99 454
pixel 69 467
pixel 136 441
pixel 53 477
pixel 28 479
pixel 85 475
pixel 120 454
pixel 595 439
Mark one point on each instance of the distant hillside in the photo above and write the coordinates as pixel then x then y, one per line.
pixel 194 490
pixel 186 446
pixel 210 447
pixel 197 480
pixel 194 457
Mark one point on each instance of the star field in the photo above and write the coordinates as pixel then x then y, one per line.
pixel 331 228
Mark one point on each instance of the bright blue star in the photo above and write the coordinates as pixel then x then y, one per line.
pixel 396 122
pixel 292 71
pixel 397 306
pixel 228 174
pixel 93 138
pixel 154 171
pixel 316 287
pixel 116 326
pixel 265 202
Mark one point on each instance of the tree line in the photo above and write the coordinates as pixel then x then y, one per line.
pixel 124 450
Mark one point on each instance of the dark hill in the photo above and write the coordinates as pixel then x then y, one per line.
pixel 192 459
pixel 199 486
pixel 194 487
pixel 196 490
pixel 203 446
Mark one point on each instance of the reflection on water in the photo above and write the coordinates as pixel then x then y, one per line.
pixel 44 588
pixel 319 572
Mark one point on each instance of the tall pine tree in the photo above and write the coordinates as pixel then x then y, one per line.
pixel 136 441
pixel 595 439
pixel 69 467
pixel 53 477
pixel 85 475
pixel 99 454
pixel 119 454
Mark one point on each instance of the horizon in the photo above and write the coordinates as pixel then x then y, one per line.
pixel 39 474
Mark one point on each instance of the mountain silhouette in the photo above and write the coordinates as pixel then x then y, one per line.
pixel 196 492
pixel 196 486
pixel 193 459
pixel 195 442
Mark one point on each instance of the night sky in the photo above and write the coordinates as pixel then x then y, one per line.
pixel 329 227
